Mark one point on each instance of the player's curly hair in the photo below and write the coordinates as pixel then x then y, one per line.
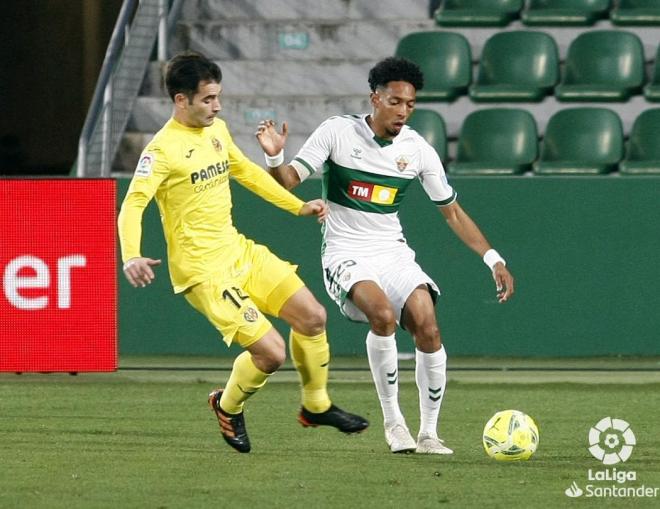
pixel 186 70
pixel 395 69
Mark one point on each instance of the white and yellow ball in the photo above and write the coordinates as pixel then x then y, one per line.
pixel 510 435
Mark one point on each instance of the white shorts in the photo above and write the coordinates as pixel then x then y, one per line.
pixel 394 271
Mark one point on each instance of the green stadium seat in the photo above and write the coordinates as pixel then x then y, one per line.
pixel 430 125
pixel 497 141
pixel 581 141
pixel 564 12
pixel 444 58
pixel 477 12
pixel 643 150
pixel 516 66
pixel 652 90
pixel 602 65
pixel 636 12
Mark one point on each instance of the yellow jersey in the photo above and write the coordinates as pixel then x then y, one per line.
pixel 187 170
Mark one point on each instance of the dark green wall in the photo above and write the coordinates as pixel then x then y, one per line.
pixel 584 251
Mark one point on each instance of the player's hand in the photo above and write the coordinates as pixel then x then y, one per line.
pixel 316 208
pixel 503 282
pixel 270 140
pixel 138 271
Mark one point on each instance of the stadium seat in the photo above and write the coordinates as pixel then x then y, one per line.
pixel 636 12
pixel 497 141
pixel 652 90
pixel 564 12
pixel 643 150
pixel 430 125
pixel 581 141
pixel 516 66
pixel 603 65
pixel 477 12
pixel 444 58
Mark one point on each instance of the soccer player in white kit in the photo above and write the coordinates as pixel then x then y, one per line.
pixel 369 270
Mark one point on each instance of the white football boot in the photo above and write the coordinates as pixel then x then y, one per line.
pixel 399 439
pixel 427 444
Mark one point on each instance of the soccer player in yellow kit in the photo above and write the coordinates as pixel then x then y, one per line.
pixel 226 277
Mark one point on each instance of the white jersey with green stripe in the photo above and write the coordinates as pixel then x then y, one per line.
pixel 365 180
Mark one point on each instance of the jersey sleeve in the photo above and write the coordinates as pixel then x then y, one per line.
pixel 151 171
pixel 259 181
pixel 315 151
pixel 433 178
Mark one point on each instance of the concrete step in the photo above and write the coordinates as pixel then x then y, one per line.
pixel 242 113
pixel 314 38
pixel 295 40
pixel 305 9
pixel 285 78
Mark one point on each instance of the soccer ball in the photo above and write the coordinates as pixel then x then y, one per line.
pixel 510 435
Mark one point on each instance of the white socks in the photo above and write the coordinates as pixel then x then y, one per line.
pixel 431 377
pixel 382 354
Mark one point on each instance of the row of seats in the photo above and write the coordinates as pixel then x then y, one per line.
pixel 547 12
pixel 521 65
pixel 577 141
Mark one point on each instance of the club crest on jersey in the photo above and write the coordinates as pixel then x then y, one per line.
pixel 251 315
pixel 372 193
pixel 143 168
pixel 401 163
pixel 216 144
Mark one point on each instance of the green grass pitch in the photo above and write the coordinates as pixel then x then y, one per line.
pixel 148 439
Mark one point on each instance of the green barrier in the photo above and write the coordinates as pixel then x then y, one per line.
pixel 584 251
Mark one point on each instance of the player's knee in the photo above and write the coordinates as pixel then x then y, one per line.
pixel 272 361
pixel 314 320
pixel 269 353
pixel 427 338
pixel 383 321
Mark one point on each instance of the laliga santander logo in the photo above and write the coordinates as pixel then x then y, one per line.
pixel 611 441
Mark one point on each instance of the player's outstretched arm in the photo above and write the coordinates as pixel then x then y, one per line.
pixel 316 208
pixel 272 143
pixel 138 271
pixel 466 230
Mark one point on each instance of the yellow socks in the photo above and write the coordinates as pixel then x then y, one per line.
pixel 311 356
pixel 245 380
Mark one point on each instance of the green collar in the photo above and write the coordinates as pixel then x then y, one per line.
pixel 381 141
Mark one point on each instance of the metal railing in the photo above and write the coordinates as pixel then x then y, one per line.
pixel 126 60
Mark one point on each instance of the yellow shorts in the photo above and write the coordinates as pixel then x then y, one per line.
pixel 234 302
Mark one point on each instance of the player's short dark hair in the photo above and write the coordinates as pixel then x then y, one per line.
pixel 395 69
pixel 186 70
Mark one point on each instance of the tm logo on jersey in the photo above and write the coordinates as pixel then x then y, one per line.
pixel 371 192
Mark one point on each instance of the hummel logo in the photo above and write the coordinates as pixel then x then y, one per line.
pixel 189 153
pixel 432 393
pixel 391 377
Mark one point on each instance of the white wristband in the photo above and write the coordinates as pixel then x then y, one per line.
pixel 276 160
pixel 491 257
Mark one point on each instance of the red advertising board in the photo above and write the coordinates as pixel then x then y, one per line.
pixel 58 291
